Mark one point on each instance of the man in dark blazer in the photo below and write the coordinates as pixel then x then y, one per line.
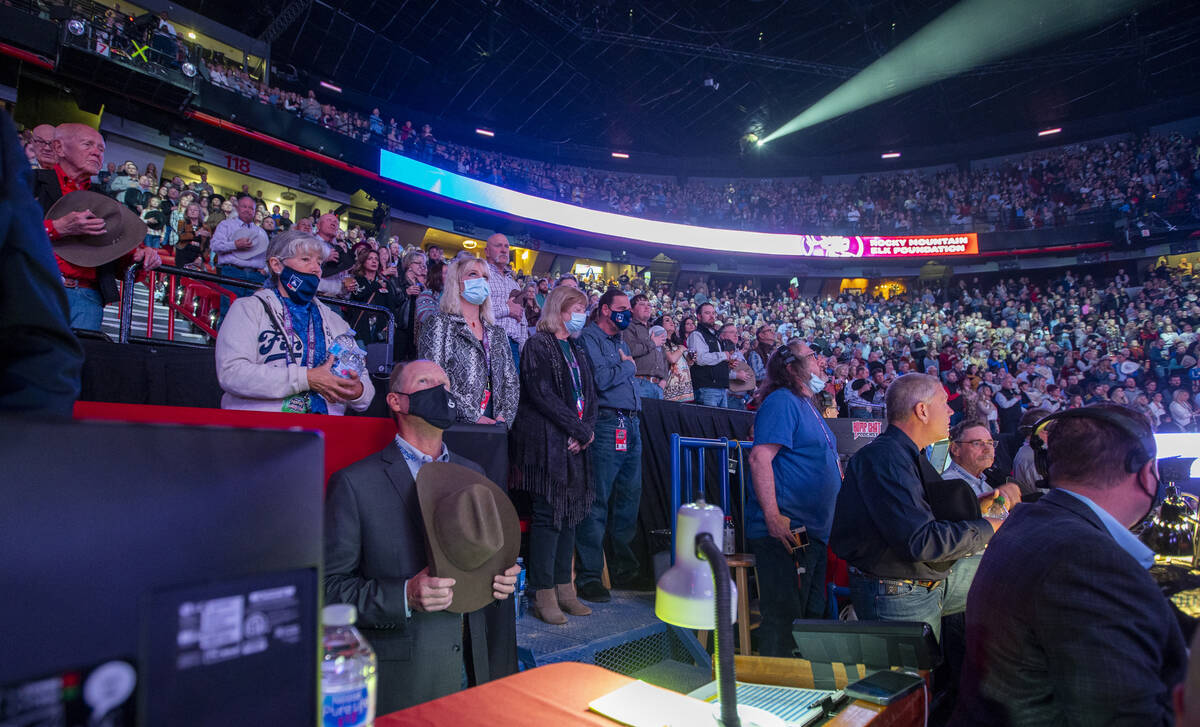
pixel 375 556
pixel 1064 624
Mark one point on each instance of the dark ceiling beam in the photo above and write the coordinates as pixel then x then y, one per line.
pixel 290 14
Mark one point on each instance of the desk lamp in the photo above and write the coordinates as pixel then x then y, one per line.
pixel 695 595
pixel 1172 531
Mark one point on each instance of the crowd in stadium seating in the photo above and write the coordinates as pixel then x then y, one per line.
pixel 1002 348
pixel 1134 177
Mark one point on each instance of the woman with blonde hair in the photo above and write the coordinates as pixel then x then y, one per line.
pixel 463 338
pixel 548 450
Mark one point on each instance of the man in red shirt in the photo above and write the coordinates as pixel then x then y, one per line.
pixel 80 152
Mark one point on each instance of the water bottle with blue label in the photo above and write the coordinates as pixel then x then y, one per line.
pixel 347 671
pixel 520 592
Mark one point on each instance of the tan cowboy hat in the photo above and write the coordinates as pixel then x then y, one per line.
pixel 123 229
pixel 741 387
pixel 472 532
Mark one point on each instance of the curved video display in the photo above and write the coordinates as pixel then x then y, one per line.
pixel 466 190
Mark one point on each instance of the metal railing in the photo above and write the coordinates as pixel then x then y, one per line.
pixel 220 288
pixel 683 451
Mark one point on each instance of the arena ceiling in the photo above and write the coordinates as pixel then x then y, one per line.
pixel 693 77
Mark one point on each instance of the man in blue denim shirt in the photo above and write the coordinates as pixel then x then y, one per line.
pixel 616 453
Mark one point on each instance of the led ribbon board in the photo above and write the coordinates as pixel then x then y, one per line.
pixel 457 188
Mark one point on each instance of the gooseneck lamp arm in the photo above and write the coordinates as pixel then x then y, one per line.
pixel 707 549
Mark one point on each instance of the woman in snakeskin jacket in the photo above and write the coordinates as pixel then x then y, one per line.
pixel 463 338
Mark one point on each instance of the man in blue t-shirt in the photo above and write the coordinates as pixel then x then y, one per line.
pixel 794 466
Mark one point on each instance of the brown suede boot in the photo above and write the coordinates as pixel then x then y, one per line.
pixel 568 602
pixel 545 606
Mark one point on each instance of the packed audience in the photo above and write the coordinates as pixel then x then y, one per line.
pixel 1001 348
pixel 1134 178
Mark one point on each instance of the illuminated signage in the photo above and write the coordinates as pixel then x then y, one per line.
pixel 454 187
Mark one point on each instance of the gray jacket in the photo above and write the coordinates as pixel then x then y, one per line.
pixel 447 341
pixel 374 543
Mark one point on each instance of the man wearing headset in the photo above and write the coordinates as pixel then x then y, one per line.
pixel 1064 623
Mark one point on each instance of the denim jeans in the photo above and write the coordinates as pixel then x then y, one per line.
pixel 735 401
pixel 784 595
pixel 713 397
pixel 516 353
pixel 885 599
pixel 551 549
pixel 617 477
pixel 87 310
pixel 647 389
pixel 253 277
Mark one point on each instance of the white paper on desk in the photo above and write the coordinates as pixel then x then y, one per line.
pixel 642 705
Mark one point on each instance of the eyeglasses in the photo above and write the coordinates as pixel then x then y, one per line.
pixel 990 443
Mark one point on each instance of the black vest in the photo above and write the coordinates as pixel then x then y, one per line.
pixel 710 377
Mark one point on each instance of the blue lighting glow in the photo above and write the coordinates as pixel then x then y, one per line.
pixel 454 187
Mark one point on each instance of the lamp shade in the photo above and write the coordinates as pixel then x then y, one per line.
pixel 686 594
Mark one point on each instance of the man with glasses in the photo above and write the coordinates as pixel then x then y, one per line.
pixel 972 452
pixel 43 146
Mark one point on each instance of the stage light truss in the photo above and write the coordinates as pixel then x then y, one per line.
pixel 284 20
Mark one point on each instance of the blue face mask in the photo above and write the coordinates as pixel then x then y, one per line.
pixel 475 290
pixel 300 287
pixel 621 318
pixel 575 325
pixel 816 383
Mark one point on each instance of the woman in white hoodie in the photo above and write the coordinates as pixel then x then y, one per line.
pixel 272 348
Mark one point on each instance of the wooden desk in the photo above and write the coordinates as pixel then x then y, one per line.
pixel 558 694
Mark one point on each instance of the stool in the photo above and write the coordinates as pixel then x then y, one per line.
pixel 739 563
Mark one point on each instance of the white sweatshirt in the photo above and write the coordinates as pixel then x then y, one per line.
pixel 253 360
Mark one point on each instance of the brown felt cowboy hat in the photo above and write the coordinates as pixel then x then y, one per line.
pixel 472 532
pixel 123 229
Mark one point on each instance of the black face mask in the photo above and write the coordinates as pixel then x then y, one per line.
pixel 433 405
pixel 1160 493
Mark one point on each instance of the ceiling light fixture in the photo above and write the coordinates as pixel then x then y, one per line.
pixel 331 87
pixel 1049 132
pixel 890 155
pixel 470 244
pixel 485 132
pixel 620 155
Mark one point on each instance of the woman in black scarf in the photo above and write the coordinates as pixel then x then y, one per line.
pixel 549 451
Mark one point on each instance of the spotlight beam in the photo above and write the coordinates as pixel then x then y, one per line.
pixel 968 35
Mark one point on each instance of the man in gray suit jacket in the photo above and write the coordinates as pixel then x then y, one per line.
pixel 375 555
pixel 1065 626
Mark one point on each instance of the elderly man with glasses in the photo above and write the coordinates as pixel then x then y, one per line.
pixel 972 452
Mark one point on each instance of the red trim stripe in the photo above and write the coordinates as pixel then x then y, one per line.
pixel 27 56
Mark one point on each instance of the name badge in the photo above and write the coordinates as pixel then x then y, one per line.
pixel 622 440
pixel 487 396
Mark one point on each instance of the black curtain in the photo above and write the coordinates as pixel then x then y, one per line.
pixel 661 419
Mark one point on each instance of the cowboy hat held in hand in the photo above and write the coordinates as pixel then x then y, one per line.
pixel 472 531
pixel 123 229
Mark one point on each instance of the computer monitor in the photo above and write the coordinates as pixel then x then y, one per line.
pixel 1180 445
pixel 939 454
pixel 159 574
pixel 874 644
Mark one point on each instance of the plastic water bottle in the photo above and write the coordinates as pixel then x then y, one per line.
pixel 520 593
pixel 347 357
pixel 348 679
pixel 998 509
